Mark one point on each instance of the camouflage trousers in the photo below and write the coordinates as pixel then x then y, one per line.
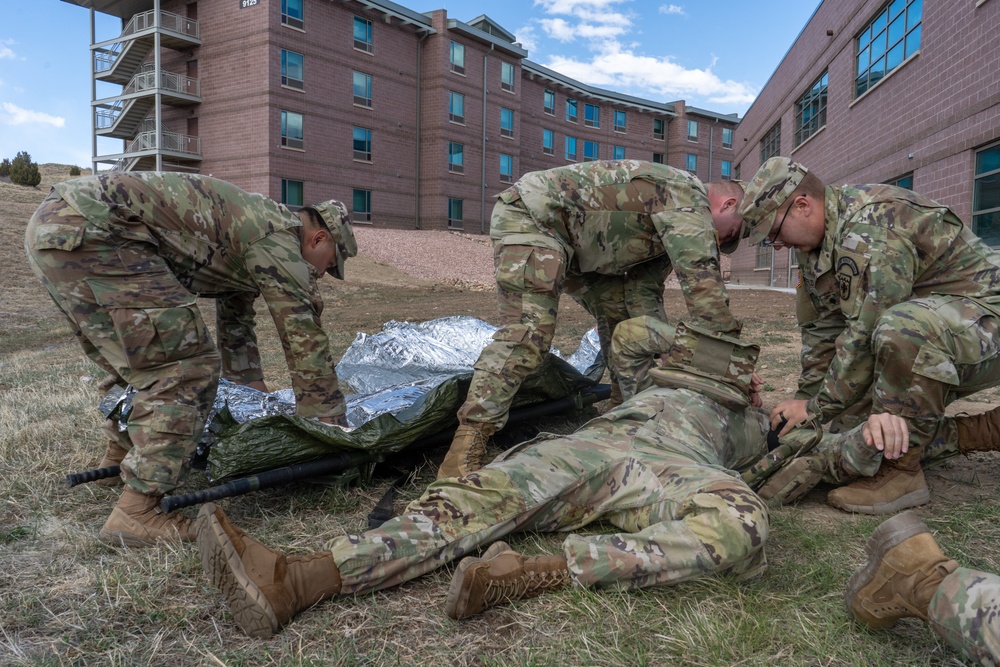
pixel 659 468
pixel 532 270
pixel 137 322
pixel 965 612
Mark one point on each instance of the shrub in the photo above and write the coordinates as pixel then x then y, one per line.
pixel 74 170
pixel 23 171
pixel 5 167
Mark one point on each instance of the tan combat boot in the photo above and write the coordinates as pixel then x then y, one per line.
pixel 979 433
pixel 899 484
pixel 114 456
pixel 264 588
pixel 616 398
pixel 468 450
pixel 497 578
pixel 905 567
pixel 136 521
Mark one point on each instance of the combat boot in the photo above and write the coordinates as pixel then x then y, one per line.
pixel 497 578
pixel 898 485
pixel 616 398
pixel 905 567
pixel 136 521
pixel 979 433
pixel 468 450
pixel 114 456
pixel 264 588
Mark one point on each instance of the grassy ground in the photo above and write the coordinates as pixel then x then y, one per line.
pixel 67 599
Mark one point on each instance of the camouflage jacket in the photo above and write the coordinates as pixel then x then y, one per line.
pixel 883 245
pixel 233 246
pixel 612 215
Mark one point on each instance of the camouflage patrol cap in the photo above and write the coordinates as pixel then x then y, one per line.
pixel 712 364
pixel 773 183
pixel 334 215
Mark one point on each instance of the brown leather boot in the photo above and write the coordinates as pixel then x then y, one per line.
pixel 264 588
pixel 978 433
pixel 136 521
pixel 113 456
pixel 899 484
pixel 481 583
pixel 905 567
pixel 616 398
pixel 468 450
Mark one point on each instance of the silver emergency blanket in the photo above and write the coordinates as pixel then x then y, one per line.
pixel 388 379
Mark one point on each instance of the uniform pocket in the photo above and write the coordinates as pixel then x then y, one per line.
pixel 53 236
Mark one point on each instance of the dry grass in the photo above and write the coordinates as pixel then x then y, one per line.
pixel 66 599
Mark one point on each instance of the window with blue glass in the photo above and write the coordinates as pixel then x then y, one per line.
pixel 291 13
pixel 456 107
pixel 456 58
pixel 986 195
pixel 363 35
pixel 810 110
pixel 362 144
pixel 618 153
pixel 891 37
pixel 619 121
pixel 591 151
pixel 506 168
pixel 726 170
pixel 363 89
pixel 506 122
pixel 291 130
pixel 549 102
pixel 571 148
pixel 691 163
pixel 592 115
pixel 548 142
pixel 291 69
pixel 292 192
pixel 571 110
pixel 456 158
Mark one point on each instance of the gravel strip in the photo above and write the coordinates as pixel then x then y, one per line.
pixel 447 257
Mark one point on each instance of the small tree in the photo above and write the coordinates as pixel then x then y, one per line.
pixel 5 167
pixel 23 171
pixel 74 170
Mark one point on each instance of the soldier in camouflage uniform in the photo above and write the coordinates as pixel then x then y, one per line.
pixel 608 234
pixel 124 256
pixel 907 575
pixel 899 305
pixel 660 467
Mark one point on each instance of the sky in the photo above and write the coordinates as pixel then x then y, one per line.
pixel 714 54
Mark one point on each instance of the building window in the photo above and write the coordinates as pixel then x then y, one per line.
pixel 456 158
pixel 506 168
pixel 659 129
pixel 292 192
pixel 507 76
pixel 570 148
pixel 618 153
pixel 619 121
pixel 548 142
pixel 905 181
pixel 692 130
pixel 691 163
pixel 506 123
pixel 549 102
pixel 592 115
pixel 291 130
pixel 591 151
pixel 658 158
pixel 765 255
pixel 291 70
pixel 770 145
pixel 362 144
pixel 363 89
pixel 455 213
pixel 291 13
pixel 727 137
pixel 363 35
pixel 361 208
pixel 571 110
pixel 986 195
pixel 727 170
pixel 810 110
pixel 736 172
pixel 891 37
pixel 457 58
pixel 456 108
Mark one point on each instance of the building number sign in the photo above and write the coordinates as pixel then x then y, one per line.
pixel 248 3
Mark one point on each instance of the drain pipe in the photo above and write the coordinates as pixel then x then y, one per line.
pixel 93 96
pixel 416 198
pixel 482 183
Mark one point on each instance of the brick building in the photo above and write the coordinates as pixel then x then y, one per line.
pixel 904 92
pixel 415 120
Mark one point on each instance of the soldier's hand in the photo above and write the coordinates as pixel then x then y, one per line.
pixel 887 433
pixel 258 385
pixel 755 385
pixel 792 411
pixel 339 420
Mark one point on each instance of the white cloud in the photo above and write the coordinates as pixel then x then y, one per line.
pixel 15 115
pixel 527 37
pixel 6 52
pixel 672 9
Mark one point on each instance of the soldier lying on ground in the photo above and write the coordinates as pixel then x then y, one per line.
pixel 661 467
pixel 907 575
pixel 900 313
pixel 124 255
pixel 607 233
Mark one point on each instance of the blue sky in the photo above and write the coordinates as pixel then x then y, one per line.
pixel 715 54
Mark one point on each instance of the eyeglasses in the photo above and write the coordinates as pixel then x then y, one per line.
pixel 772 240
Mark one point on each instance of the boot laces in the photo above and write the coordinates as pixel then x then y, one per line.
pixel 528 584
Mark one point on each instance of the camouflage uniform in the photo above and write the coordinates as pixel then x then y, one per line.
pixel 900 305
pixel 124 256
pixel 606 233
pixel 965 611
